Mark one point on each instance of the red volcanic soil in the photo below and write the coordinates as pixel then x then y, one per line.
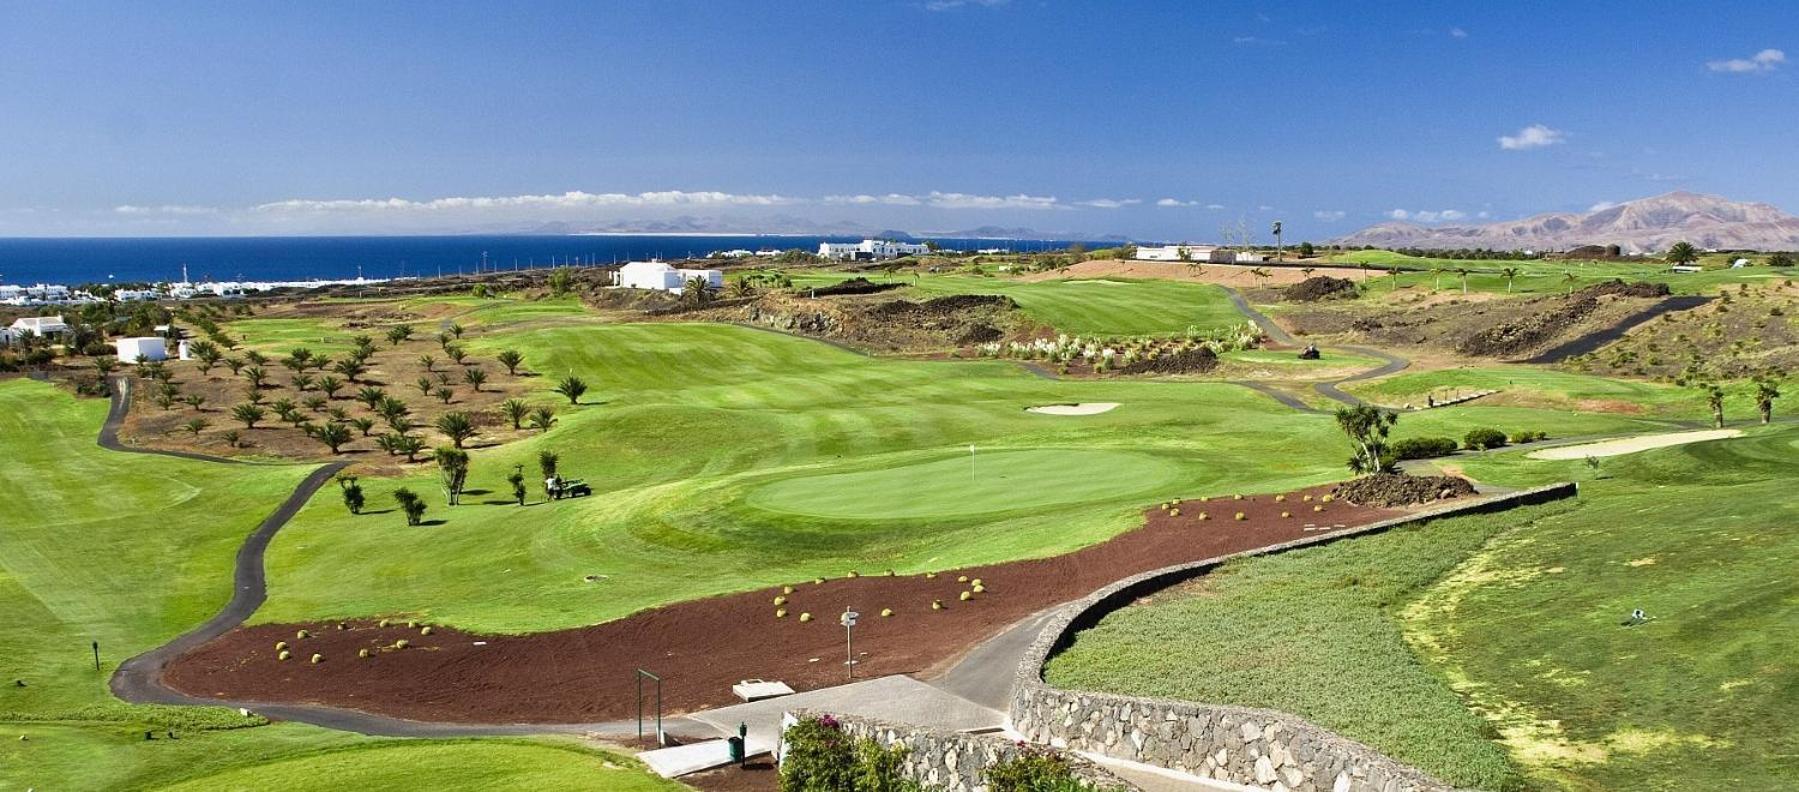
pixel 701 647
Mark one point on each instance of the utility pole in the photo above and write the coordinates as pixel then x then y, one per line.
pixel 1277 240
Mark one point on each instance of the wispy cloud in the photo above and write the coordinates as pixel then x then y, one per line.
pixel 165 209
pixel 1110 203
pixel 1427 216
pixel 1456 32
pixel 952 200
pixel 1257 41
pixel 949 5
pixel 1765 61
pixel 1602 206
pixel 1175 202
pixel 568 200
pixel 1530 137
pixel 890 199
pixel 1330 215
pixel 1214 206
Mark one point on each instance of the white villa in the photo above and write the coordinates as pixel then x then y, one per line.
pixel 659 276
pixel 148 348
pixel 870 250
pixel 40 326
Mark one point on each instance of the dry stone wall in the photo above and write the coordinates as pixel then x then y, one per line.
pixel 1268 749
pixel 958 762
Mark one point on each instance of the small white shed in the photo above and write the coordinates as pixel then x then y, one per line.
pixel 149 348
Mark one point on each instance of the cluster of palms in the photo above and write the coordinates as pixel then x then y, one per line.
pixel 320 382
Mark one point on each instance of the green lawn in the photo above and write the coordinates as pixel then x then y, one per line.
pixel 128 550
pixel 1490 650
pixel 464 764
pixel 1089 306
pixel 1545 277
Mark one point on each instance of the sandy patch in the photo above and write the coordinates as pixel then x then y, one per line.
pixel 1631 445
pixel 1084 408
pixel 1222 274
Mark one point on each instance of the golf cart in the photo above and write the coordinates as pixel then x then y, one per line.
pixel 575 488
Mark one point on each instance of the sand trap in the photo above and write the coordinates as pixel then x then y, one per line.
pixel 1631 445
pixel 1084 408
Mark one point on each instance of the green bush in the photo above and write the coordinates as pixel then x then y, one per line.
pixel 1034 770
pixel 822 758
pixel 1423 447
pixel 1527 436
pixel 1483 439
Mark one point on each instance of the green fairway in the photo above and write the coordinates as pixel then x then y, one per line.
pixel 1090 306
pixel 1519 616
pixel 969 484
pixel 129 550
pixel 463 764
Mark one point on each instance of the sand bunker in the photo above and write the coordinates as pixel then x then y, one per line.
pixel 1084 408
pixel 1631 445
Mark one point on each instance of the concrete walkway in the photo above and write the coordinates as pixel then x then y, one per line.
pixel 898 698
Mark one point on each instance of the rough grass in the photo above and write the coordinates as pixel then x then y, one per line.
pixel 1531 386
pixel 1547 277
pixel 467 764
pixel 1312 632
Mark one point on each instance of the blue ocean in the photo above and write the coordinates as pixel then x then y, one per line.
pixel 148 259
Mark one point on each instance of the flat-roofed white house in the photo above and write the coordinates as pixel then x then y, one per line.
pixel 1175 252
pixel 870 250
pixel 147 348
pixel 40 326
pixel 659 276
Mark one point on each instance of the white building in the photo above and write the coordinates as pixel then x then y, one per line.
pixel 149 348
pixel 870 250
pixel 1175 252
pixel 659 276
pixel 40 326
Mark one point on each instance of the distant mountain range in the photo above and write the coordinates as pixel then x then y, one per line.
pixel 1646 225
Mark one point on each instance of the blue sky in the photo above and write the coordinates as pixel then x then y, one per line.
pixel 1158 120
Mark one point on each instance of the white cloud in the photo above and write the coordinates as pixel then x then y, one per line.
pixel 1602 206
pixel 1530 137
pixel 569 200
pixel 1110 203
pixel 1456 32
pixel 165 209
pixel 1330 215
pixel 1214 206
pixel 1257 41
pixel 1428 216
pixel 890 199
pixel 1765 61
pixel 943 200
pixel 1173 202
pixel 947 5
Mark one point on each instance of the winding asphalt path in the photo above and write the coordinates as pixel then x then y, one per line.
pixel 1390 363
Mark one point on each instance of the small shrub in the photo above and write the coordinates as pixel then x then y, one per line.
pixel 1034 770
pixel 283 655
pixel 805 617
pixel 780 613
pixel 1527 436
pixel 1422 448
pixel 966 596
pixel 1483 439
pixel 317 658
pixel 885 612
pixel 780 600
pixel 979 589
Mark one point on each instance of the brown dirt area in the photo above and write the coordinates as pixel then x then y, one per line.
pixel 395 370
pixel 702 647
pixel 1746 331
pixel 877 322
pixel 1237 275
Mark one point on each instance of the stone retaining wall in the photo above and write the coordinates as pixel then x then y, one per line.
pixel 1236 744
pixel 955 761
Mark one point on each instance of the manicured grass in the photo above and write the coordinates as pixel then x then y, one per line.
pixel 467 764
pixel 1089 306
pixel 130 550
pixel 277 335
pixel 967 484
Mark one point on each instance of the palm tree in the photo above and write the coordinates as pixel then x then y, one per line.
pixel 371 396
pixel 543 418
pixel 457 426
pixel 106 365
pixel 511 359
pixel 444 393
pixel 363 424
pixel 456 330
pixel 304 382
pixel 196 425
pixel 1463 271
pixel 411 504
pixel 249 414
pixel 515 411
pixel 351 368
pixel 1307 271
pixel 1714 398
pixel 1682 253
pixel 398 334
pixel 330 385
pixel 1395 273
pixel 257 376
pixel 457 353
pixel 546 462
pixel 427 361
pixel 333 435
pixel 1262 274
pixel 1568 278
pixel 452 465
pixel 1510 274
pixel 208 353
pixel 390 409
pixel 425 385
pixel 572 387
pixel 475 378
pixel 697 290
pixel 194 400
pixel 234 363
pixel 1765 394
pixel 1437 272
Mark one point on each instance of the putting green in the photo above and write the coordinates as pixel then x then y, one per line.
pixel 965 484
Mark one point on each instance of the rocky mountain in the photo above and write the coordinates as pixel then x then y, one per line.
pixel 1646 225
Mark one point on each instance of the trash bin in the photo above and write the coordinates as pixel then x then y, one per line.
pixel 736 750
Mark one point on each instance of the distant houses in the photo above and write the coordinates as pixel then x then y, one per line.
pixel 870 250
pixel 1202 254
pixel 659 276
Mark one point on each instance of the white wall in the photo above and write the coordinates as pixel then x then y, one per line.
pixel 130 349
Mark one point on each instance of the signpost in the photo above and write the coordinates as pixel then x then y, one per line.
pixel 848 620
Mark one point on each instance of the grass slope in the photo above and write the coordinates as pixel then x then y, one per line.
pixel 130 550
pixel 463 764
pixel 1548 277
pixel 1088 306
pixel 1541 387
